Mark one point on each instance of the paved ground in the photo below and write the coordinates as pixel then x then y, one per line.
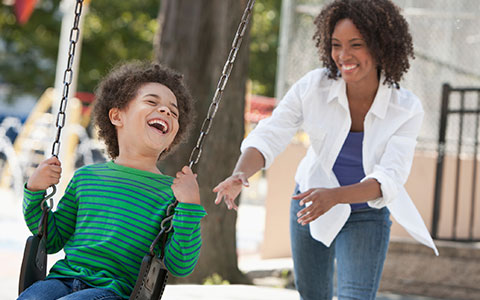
pixel 14 233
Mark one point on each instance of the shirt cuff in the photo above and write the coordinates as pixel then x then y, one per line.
pixel 387 186
pixel 33 196
pixel 191 209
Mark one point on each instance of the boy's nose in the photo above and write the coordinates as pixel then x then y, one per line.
pixel 164 109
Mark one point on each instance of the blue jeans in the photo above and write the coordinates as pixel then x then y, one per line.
pixel 65 289
pixel 359 249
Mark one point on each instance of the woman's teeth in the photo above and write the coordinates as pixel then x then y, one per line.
pixel 349 67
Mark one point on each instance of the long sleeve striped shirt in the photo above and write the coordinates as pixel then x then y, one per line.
pixel 106 222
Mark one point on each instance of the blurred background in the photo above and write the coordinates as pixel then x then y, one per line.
pixel 195 37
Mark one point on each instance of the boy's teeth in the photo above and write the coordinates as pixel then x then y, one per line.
pixel 159 124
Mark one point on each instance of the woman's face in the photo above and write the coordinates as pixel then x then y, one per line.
pixel 351 54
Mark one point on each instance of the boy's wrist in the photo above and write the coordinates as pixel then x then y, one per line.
pixel 32 189
pixel 190 201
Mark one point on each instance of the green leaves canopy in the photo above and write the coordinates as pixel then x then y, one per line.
pixel 113 31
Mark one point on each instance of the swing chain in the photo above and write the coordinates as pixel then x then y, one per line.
pixel 67 76
pixel 167 224
pixel 212 110
pixel 67 81
pixel 165 227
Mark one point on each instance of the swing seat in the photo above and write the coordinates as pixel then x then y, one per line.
pixel 34 263
pixel 151 279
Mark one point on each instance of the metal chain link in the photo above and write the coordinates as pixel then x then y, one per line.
pixel 67 81
pixel 212 110
pixel 166 224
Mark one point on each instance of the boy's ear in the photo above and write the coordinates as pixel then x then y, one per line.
pixel 115 117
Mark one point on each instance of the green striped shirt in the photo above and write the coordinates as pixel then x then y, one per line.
pixel 106 222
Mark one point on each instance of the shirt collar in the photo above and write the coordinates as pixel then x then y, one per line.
pixel 338 91
pixel 382 99
pixel 379 107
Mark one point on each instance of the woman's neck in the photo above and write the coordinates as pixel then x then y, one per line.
pixel 363 92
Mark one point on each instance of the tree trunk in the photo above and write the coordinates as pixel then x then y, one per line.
pixel 195 39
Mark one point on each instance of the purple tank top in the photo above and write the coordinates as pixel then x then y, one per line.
pixel 348 167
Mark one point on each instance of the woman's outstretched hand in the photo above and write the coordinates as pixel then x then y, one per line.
pixel 320 200
pixel 230 188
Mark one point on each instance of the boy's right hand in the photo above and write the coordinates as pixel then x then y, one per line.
pixel 230 188
pixel 46 174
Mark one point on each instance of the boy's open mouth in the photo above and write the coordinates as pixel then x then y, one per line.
pixel 159 124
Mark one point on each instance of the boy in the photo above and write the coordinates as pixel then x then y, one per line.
pixel 111 212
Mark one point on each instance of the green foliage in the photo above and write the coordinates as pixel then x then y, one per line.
pixel 112 32
pixel 116 31
pixel 28 53
pixel 215 279
pixel 263 46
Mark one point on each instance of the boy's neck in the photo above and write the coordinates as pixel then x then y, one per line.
pixel 144 163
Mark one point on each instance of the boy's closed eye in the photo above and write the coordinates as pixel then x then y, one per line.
pixel 152 102
pixel 172 107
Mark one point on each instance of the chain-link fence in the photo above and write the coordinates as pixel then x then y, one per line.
pixel 446 39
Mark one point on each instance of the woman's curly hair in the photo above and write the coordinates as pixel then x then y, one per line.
pixel 121 86
pixel 383 28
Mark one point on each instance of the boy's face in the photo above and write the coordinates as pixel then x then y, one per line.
pixel 149 123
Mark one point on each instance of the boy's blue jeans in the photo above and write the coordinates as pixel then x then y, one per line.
pixel 359 249
pixel 65 289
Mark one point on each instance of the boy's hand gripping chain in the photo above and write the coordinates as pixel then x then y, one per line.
pixel 153 273
pixel 34 264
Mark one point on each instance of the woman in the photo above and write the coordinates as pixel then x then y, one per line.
pixel 363 129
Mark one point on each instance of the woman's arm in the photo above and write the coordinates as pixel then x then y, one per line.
pixel 321 199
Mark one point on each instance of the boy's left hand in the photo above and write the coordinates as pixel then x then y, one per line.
pixel 185 186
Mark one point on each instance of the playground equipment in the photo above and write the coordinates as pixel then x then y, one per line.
pixel 32 142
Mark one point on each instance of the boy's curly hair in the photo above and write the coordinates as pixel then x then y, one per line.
pixel 121 85
pixel 383 28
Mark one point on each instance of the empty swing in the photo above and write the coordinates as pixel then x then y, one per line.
pixel 153 274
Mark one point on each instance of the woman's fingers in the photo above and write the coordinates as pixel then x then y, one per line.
pixel 306 219
pixel 307 215
pixel 229 189
pixel 231 203
pixel 227 199
pixel 303 195
pixel 218 187
pixel 219 198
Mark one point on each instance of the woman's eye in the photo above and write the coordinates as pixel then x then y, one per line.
pixel 335 45
pixel 357 45
pixel 151 102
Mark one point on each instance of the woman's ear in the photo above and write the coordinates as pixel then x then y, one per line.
pixel 115 117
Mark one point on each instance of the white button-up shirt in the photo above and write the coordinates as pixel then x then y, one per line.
pixel 319 105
